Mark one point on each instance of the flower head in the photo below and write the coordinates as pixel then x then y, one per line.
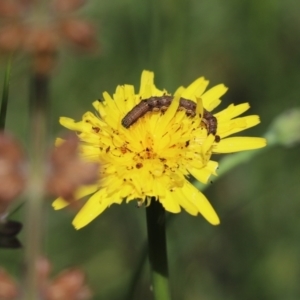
pixel 166 141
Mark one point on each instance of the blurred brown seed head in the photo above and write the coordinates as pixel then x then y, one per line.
pixel 70 284
pixel 42 32
pixel 11 37
pixel 79 33
pixel 68 171
pixel 41 40
pixel 43 268
pixel 66 6
pixel 9 9
pixel 8 287
pixel 43 43
pixel 12 170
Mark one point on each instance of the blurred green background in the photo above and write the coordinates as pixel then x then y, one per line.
pixel 250 46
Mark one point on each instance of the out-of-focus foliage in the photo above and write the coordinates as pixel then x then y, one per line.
pixel 250 46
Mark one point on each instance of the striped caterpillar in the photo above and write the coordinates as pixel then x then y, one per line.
pixel 161 104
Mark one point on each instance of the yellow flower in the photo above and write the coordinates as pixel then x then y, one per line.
pixel 155 157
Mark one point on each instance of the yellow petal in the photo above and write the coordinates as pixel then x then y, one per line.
pixel 170 204
pixel 167 117
pixel 159 189
pixel 185 203
pixel 179 91
pixel 147 80
pixel 195 89
pixel 72 125
pixel 58 141
pixel 200 201
pixel 60 203
pixel 83 191
pixel 204 174
pixel 235 144
pixel 92 209
pixel 101 109
pixel 96 104
pixel 232 111
pixel 212 95
pixel 130 97
pixel 207 144
pixel 213 104
pixel 113 115
pixel 237 125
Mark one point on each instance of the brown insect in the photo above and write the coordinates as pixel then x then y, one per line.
pixel 162 103
pixel 156 104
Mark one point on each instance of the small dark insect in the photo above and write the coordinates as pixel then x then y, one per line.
pixel 8 231
pixel 162 103
pixel 210 121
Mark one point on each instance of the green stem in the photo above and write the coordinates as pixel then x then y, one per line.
pixel 5 94
pixel 157 248
pixel 38 117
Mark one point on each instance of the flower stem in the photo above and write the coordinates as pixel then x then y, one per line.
pixel 158 250
pixel 38 117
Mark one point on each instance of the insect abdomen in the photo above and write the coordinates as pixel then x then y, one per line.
pixel 137 112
